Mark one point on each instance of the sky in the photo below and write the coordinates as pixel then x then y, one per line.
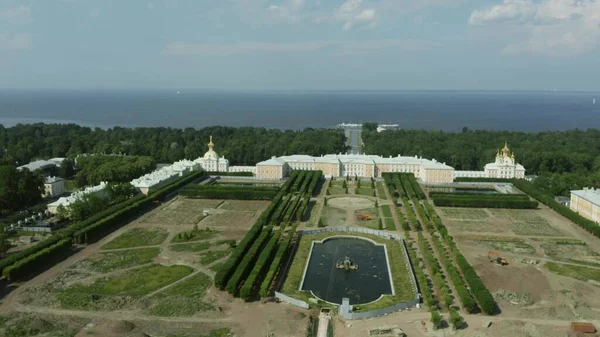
pixel 301 44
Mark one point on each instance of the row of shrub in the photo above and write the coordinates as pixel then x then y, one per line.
pixel 548 200
pixel 229 192
pixel 477 288
pixel 79 231
pixel 480 196
pixel 480 292
pixel 422 214
pixel 265 287
pixel 227 269
pixel 398 186
pixel 452 201
pixel 426 293
pixel 412 219
pixel 234 174
pixel 261 265
pixel 389 183
pixel 247 262
pixel 38 261
pixel 482 180
pixel 435 270
pixel 415 185
pixel 463 293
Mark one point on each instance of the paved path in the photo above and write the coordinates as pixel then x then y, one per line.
pixel 323 325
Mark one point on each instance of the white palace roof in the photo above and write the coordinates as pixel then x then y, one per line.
pixel 66 201
pixel 590 194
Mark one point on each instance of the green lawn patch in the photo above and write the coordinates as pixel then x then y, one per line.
pixel 216 267
pixel 581 273
pixel 224 332
pixel 110 293
pixel 138 237
pixel 109 261
pixel 365 191
pixel 195 235
pixel 373 213
pixel 534 228
pixel 332 216
pixel 336 190
pixel 212 256
pixel 182 299
pixel 381 191
pixel 387 211
pixel 389 223
pixel 398 265
pixel 190 247
pixel 24 325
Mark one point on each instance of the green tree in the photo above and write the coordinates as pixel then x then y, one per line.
pixel 369 126
pixel 436 319
pixel 380 227
pixel 67 169
pixel 321 224
pixel 456 319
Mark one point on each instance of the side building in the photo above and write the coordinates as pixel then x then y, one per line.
pixel 586 202
pixel 504 167
pixel 352 165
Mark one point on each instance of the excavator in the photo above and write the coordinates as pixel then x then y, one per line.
pixel 494 256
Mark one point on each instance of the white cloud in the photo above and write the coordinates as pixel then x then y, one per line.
pixel 19 15
pixel 337 47
pixel 289 12
pixel 507 11
pixel 14 42
pixel 551 27
pixel 353 14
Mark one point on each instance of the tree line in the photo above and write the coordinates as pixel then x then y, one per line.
pixel 241 146
pixel 19 188
pixel 563 160
pixel 119 169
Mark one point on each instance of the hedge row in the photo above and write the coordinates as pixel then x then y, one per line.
pixel 480 292
pixel 403 222
pixel 480 196
pixel 415 185
pixel 260 267
pixel 314 182
pixel 565 211
pixel 411 215
pixel 225 272
pixel 421 212
pixel 292 208
pixel 426 293
pixel 247 262
pixel 265 287
pixel 235 193
pixel 39 260
pixel 464 295
pixel 235 174
pixel 484 202
pixel 483 180
pixel 389 182
pixel 399 187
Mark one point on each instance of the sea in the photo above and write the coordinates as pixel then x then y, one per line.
pixel 437 110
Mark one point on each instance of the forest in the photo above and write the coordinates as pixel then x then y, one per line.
pixel 563 160
pixel 241 146
pixel 98 168
pixel 18 188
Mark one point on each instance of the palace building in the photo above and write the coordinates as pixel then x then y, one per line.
pixel 504 167
pixel 351 165
pixel 211 161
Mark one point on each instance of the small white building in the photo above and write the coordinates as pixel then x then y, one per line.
pixel 211 161
pixel 586 202
pixel 38 165
pixel 53 186
pixel 98 190
pixel 504 167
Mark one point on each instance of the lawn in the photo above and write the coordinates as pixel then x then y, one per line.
pixel 387 211
pixel 138 237
pixel 190 247
pixel 398 265
pixel 212 256
pixel 182 299
pixel 373 213
pixel 389 224
pixel 109 261
pixel 381 191
pixel 365 191
pixel 332 216
pixel 111 292
pixel 216 267
pixel 195 235
pixel 461 213
pixel 577 272
pixel 336 190
pixel 534 228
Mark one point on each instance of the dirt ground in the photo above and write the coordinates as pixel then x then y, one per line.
pixel 528 239
pixel 231 219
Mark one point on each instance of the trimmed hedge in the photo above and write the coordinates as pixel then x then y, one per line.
pixel 39 260
pixel 241 272
pixel 453 201
pixel 275 264
pixel 235 174
pixel 409 179
pixel 588 225
pixel 480 292
pixel 480 196
pixel 423 284
pixel 260 267
pixel 483 180
pixel 229 192
pixel 412 219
